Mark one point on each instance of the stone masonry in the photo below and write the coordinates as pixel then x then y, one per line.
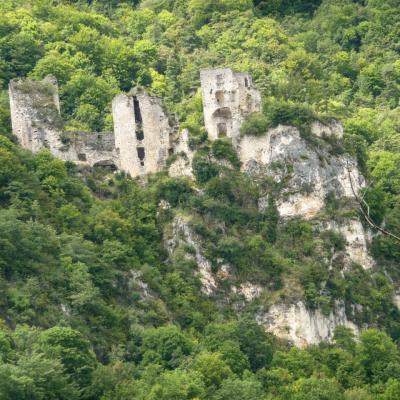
pixel 228 97
pixel 142 133
pixel 140 143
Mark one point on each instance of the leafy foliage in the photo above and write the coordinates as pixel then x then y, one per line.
pixel 93 307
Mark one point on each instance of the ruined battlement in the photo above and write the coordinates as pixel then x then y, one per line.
pixel 35 113
pixel 143 137
pixel 140 143
pixel 142 133
pixel 228 97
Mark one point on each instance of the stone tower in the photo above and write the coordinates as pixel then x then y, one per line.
pixel 142 133
pixel 228 97
pixel 35 113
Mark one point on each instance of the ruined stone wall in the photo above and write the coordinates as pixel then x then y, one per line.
pixel 142 133
pixel 228 97
pixel 35 113
pixel 139 145
pixel 36 121
pixel 94 149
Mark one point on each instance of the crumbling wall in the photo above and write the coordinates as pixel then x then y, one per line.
pixel 183 154
pixel 35 113
pixel 228 97
pixel 94 149
pixel 36 121
pixel 142 133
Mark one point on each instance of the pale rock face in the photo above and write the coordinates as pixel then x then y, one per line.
pixel 312 172
pixel 135 282
pixel 332 129
pixel 357 239
pixel 228 97
pixel 182 234
pixel 182 166
pixel 396 300
pixel 249 290
pixel 303 327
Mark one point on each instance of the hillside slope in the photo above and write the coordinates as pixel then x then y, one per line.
pixel 198 287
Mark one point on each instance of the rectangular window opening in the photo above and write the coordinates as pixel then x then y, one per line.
pixel 141 155
pixel 136 109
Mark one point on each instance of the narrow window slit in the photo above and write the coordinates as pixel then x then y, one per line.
pixel 138 119
pixel 136 109
pixel 141 155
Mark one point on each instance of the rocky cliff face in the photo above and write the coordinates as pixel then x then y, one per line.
pixel 310 171
pixel 301 326
pixel 182 235
pixel 307 171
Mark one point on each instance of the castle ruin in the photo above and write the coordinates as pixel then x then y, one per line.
pixel 139 145
pixel 142 133
pixel 228 97
pixel 143 138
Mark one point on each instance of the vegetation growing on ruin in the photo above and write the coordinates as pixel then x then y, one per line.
pixel 92 307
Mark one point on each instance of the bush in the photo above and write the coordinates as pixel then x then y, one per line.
pixel 288 113
pixel 256 124
pixel 175 191
pixel 203 168
pixel 222 149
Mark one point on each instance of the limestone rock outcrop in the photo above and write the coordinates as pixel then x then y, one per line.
pixel 357 238
pixel 310 171
pixel 303 327
pixel 182 234
pixel 323 130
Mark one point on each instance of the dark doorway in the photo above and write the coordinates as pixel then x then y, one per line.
pixel 221 129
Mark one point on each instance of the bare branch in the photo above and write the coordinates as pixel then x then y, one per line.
pixel 366 214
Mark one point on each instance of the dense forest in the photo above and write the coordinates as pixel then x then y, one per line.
pixel 92 306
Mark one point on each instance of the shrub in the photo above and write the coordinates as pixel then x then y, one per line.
pixel 222 149
pixel 203 168
pixel 256 124
pixel 287 113
pixel 174 190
